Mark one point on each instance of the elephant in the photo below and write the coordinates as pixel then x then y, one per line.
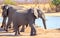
pixel 5 15
pixel 25 17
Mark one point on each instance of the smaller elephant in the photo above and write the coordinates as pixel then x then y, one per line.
pixel 5 15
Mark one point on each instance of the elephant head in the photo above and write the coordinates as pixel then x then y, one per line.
pixel 5 10
pixel 39 14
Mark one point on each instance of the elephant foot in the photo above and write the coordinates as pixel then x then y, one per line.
pixel 32 34
pixel 17 34
pixel 1 26
pixel 6 30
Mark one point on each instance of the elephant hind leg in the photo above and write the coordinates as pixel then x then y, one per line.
pixel 33 32
pixel 9 26
pixel 16 29
pixel 8 23
pixel 22 29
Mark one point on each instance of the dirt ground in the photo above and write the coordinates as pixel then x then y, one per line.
pixel 41 33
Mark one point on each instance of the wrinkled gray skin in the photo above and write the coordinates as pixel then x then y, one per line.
pixel 23 18
pixel 5 15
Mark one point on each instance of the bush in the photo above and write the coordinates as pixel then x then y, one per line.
pixel 56 3
pixel 9 2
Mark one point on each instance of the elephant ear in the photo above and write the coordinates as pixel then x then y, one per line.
pixel 35 12
pixel 4 7
pixel 7 7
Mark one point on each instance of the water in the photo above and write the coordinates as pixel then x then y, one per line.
pixel 51 22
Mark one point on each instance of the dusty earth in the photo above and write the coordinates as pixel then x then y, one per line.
pixel 41 33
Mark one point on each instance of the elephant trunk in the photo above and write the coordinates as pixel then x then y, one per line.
pixel 44 22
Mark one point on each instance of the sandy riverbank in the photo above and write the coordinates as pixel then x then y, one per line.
pixel 41 33
pixel 53 14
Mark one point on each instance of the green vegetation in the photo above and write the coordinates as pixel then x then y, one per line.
pixel 56 3
pixel 9 2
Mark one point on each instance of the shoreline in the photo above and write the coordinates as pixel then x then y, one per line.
pixel 52 14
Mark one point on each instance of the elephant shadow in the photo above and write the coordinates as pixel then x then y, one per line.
pixel 4 33
pixel 1 30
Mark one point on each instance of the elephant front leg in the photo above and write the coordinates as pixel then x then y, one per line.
pixel 8 23
pixel 33 30
pixel 4 23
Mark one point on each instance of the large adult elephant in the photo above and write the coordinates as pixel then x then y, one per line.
pixel 25 17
